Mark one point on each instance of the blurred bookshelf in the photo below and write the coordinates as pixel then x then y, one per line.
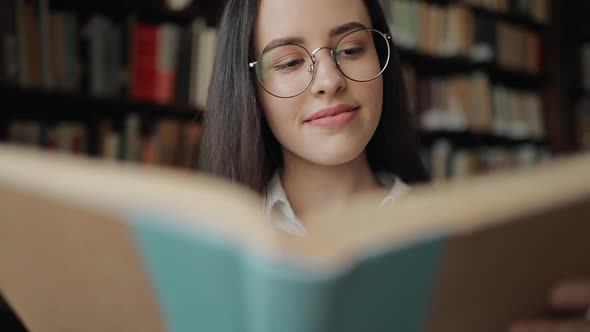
pixel 493 84
pixel 31 103
pixel 577 55
pixel 116 78
pixel 439 65
pixel 102 78
pixel 476 77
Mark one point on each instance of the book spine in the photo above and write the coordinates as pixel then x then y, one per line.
pixel 168 35
pixel 125 55
pixel 145 53
pixel 132 137
pixel 96 51
pixel 22 45
pixel 197 27
pixel 9 47
pixel 267 285
pixel 585 64
pixel 183 74
pixel 191 143
pixel 207 49
pixel 45 52
pixel 72 56
pixel 58 65
pixel 113 59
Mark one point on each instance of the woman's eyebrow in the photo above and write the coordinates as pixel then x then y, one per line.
pixel 346 28
pixel 299 40
pixel 283 41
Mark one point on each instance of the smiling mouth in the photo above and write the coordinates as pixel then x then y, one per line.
pixel 333 119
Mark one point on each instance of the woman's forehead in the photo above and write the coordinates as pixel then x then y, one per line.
pixel 312 20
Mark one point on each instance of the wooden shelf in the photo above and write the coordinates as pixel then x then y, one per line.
pixel 577 92
pixel 468 139
pixel 429 64
pixel 438 65
pixel 148 10
pixel 509 17
pixel 47 105
pixel 516 78
pixel 52 106
pixel 513 18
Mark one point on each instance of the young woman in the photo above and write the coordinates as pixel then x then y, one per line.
pixel 307 106
pixel 309 109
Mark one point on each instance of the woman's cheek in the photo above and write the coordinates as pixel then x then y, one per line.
pixel 281 122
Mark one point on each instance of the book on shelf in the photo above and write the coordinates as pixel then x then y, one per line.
pixel 584 53
pixel 207 44
pixel 116 247
pixel 449 160
pixel 168 142
pixel 537 10
pixel 582 113
pixel 471 102
pixel 8 43
pixel 106 55
pixel 453 30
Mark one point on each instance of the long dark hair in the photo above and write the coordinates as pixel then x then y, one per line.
pixel 238 143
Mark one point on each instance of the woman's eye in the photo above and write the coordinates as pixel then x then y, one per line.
pixel 351 51
pixel 291 64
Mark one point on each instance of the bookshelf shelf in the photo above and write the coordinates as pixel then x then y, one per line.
pixel 436 65
pixel 516 19
pixel 508 17
pixel 104 118
pixel 577 93
pixel 515 78
pixel 433 65
pixel 52 105
pixel 149 11
pixel 469 139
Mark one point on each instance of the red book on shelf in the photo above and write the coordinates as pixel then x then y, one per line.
pixel 168 43
pixel 144 57
pixel 165 82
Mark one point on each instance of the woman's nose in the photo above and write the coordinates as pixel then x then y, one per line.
pixel 328 78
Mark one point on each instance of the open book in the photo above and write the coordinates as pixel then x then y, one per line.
pixel 89 245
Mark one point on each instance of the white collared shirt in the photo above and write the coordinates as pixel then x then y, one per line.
pixel 277 204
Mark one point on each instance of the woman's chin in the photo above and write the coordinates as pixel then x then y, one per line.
pixel 333 158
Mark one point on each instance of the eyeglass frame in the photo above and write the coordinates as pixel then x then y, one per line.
pixel 312 55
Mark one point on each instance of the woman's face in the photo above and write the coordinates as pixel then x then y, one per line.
pixel 331 140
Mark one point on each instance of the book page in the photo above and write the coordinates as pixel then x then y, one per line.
pixel 118 188
pixel 459 207
pixel 72 270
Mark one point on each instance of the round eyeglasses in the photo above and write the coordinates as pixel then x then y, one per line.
pixel 288 70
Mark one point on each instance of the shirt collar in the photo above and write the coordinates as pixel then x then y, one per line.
pixel 277 204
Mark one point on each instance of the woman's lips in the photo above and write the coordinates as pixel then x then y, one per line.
pixel 333 117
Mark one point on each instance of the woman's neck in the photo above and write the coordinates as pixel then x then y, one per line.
pixel 311 187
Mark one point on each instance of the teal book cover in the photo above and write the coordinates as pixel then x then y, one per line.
pixel 88 245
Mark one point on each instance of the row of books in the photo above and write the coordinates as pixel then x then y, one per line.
pixel 471 102
pixel 448 162
pixel 164 142
pixel 106 56
pixel 538 10
pixel 583 123
pixel 454 30
pixel 584 54
pixel 175 144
